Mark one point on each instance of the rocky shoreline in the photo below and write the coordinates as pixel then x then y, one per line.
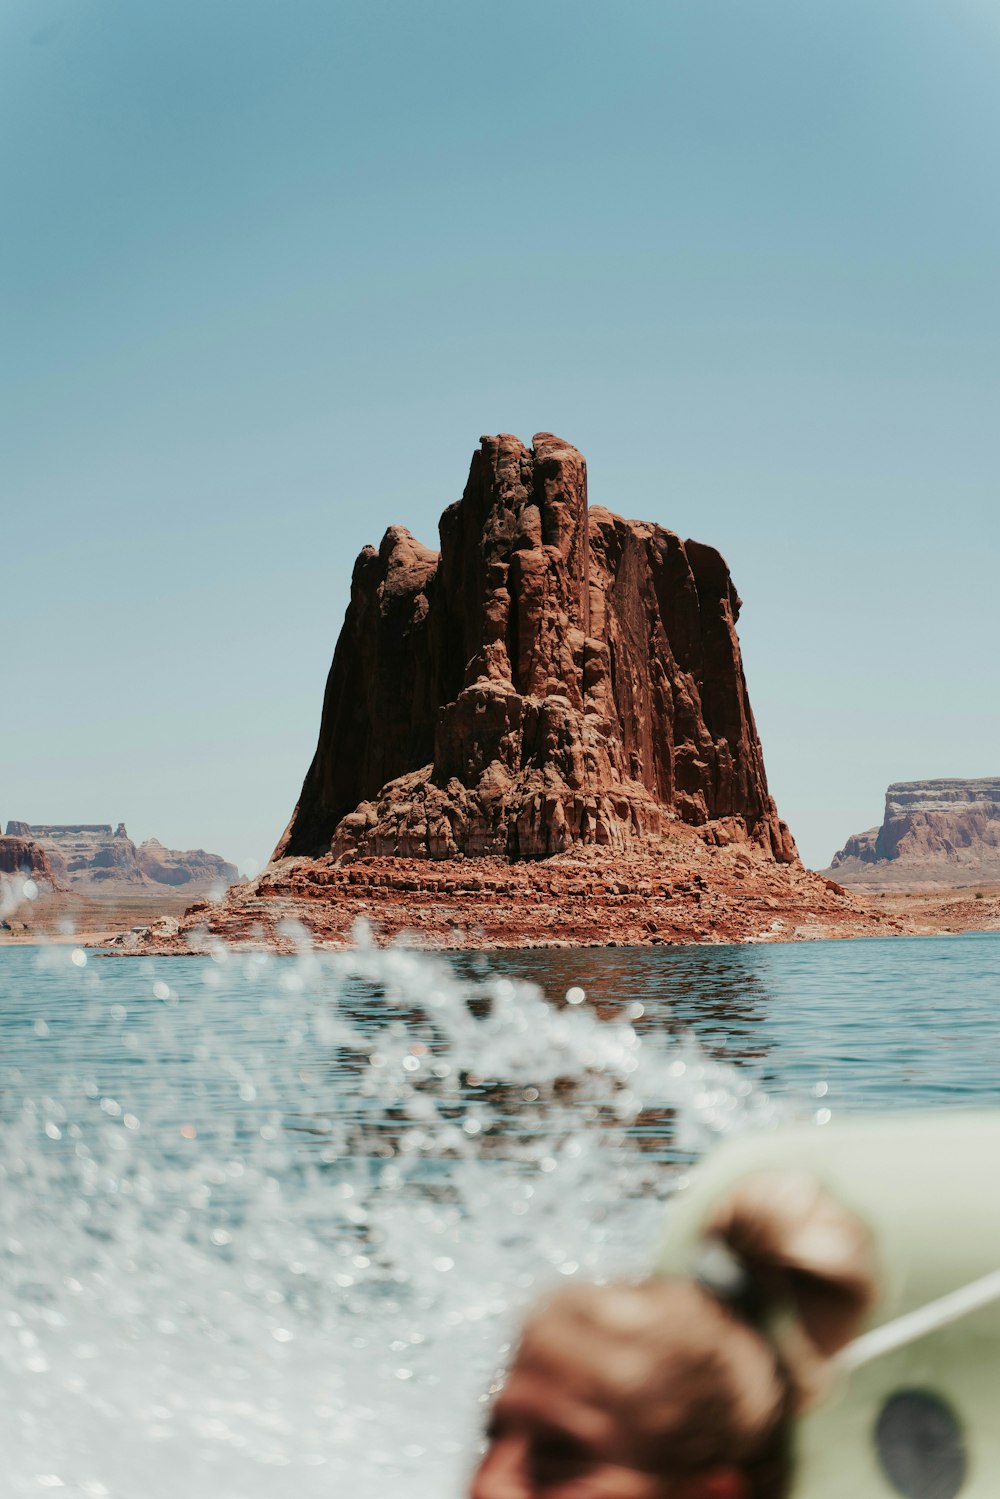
pixel 683 891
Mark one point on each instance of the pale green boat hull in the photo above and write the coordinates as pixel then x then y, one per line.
pixel 928 1187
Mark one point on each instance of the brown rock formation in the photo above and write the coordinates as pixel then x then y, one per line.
pixel 551 679
pixel 89 855
pixel 193 866
pixel 944 832
pixel 20 855
pixel 674 890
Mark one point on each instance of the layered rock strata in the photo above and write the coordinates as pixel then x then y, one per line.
pixel 191 867
pixel 94 855
pixel 674 890
pixel 555 677
pixel 942 831
pixel 19 855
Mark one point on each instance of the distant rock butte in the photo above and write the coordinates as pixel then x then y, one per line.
pixel 944 832
pixel 95 855
pixel 193 866
pixel 552 678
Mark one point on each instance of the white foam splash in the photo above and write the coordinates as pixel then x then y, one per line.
pixel 267 1225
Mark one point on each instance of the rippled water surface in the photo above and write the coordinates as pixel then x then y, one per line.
pixel 266 1226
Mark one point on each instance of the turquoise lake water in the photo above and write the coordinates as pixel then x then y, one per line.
pixel 271 1223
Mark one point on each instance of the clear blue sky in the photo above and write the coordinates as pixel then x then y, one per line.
pixel 269 269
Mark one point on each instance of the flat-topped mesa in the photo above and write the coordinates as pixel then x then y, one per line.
pixel 94 854
pixel 928 827
pixel 551 677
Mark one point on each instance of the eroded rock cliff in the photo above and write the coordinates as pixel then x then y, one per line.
pixel 20 855
pixel 943 831
pixel 191 867
pixel 553 677
pixel 95 855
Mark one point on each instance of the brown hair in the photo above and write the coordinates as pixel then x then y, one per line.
pixel 691 1383
pixel 803 1254
pixel 698 1380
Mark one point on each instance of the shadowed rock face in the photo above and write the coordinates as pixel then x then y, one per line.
pixel 552 677
pixel 20 855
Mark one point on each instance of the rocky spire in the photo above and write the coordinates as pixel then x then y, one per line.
pixel 553 676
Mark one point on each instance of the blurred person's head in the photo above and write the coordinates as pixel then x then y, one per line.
pixel 671 1389
pixel 652 1391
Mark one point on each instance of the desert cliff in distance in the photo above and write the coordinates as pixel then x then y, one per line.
pixel 92 854
pixel 92 878
pixel 944 833
pixel 935 857
pixel 540 733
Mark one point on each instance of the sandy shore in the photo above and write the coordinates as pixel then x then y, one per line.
pixel 967 909
pixel 91 919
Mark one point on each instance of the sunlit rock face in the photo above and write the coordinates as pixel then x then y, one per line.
pixel 183 867
pixel 945 830
pixel 554 676
pixel 95 854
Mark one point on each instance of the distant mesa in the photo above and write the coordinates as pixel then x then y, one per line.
pixel 934 832
pixel 554 677
pixel 94 855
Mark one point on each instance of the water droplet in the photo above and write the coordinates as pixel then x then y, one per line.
pixel 576 995
pixel 79 960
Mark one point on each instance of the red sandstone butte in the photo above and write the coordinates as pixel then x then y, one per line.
pixel 552 677
pixel 539 735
